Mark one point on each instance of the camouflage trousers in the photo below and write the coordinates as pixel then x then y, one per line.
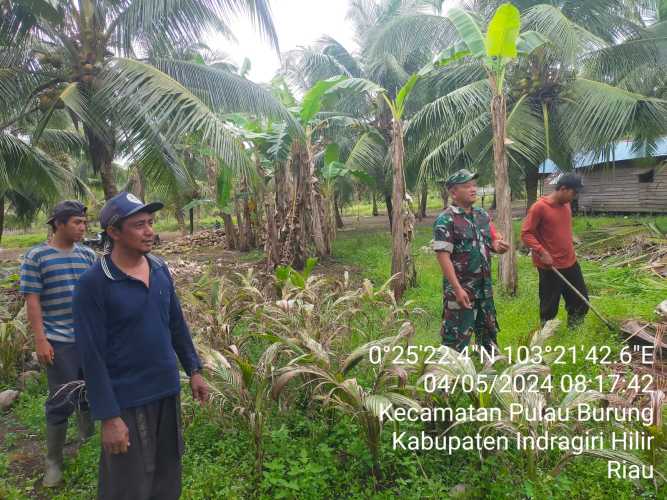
pixel 459 324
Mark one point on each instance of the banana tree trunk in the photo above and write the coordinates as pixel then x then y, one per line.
pixel 330 217
pixel 243 235
pixel 180 221
pixel 284 189
pixel 390 208
pixel 272 245
pixel 444 194
pixel 532 180
pixel 101 155
pixel 284 192
pixel 339 219
pixel 507 268
pixel 231 235
pixel 422 202
pixel 401 232
pixel 316 208
pixel 247 220
pixel 295 248
pixel 136 184
pixel 2 216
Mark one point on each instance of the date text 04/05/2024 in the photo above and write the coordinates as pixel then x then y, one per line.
pixel 535 382
pixel 555 355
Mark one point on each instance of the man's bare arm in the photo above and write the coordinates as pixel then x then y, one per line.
pixel 43 348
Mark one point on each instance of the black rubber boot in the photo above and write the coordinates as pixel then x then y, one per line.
pixel 86 425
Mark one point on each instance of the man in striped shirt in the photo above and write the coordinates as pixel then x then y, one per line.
pixel 49 273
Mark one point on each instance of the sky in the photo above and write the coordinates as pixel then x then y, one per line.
pixel 298 22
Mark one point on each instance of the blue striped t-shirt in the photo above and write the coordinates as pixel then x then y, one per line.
pixel 52 274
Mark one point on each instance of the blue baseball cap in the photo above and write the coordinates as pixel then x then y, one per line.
pixel 123 205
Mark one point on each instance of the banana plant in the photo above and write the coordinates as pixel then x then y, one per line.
pixel 495 51
pixel 402 265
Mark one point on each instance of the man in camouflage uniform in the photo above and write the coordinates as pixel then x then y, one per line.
pixel 464 238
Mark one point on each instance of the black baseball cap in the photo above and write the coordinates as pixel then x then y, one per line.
pixel 571 181
pixel 67 208
pixel 123 205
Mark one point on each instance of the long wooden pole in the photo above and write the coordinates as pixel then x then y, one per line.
pixel 582 297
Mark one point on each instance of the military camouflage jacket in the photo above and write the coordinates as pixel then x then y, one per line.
pixel 467 237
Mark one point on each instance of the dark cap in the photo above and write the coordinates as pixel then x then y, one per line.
pixel 67 208
pixel 460 177
pixel 570 181
pixel 122 206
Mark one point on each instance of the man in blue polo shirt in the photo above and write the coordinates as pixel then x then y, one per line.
pixel 131 334
pixel 49 273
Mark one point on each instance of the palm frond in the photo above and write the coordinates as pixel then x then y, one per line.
pixel 368 154
pixel 142 94
pixel 440 158
pixel 406 36
pixel 597 115
pixel 525 128
pixel 58 141
pixel 27 169
pixel 568 39
pixel 225 92
pixel 446 113
pixel 613 63
pixel 185 21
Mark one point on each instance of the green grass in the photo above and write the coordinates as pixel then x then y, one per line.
pixel 617 293
pixel 23 240
pixel 433 205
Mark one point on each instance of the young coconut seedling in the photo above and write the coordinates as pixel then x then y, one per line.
pixel 364 400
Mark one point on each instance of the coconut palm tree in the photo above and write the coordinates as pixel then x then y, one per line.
pixel 113 69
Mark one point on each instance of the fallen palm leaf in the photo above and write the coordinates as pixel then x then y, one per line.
pixel 647 332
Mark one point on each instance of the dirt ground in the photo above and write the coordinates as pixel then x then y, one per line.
pixel 26 455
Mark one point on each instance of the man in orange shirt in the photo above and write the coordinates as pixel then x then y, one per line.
pixel 547 231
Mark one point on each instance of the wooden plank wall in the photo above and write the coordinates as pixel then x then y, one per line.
pixel 617 189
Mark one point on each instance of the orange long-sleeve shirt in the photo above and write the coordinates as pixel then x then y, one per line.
pixel 548 226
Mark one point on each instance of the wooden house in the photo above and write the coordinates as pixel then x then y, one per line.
pixel 629 181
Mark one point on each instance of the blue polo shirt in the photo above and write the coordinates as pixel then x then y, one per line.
pixel 129 337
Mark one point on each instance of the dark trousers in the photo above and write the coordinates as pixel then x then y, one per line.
pixel 64 393
pixel 551 289
pixel 151 468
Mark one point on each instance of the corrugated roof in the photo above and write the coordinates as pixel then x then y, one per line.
pixel 622 151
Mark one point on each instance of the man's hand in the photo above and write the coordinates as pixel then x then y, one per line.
pixel 462 298
pixel 545 258
pixel 44 351
pixel 499 245
pixel 199 388
pixel 115 436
